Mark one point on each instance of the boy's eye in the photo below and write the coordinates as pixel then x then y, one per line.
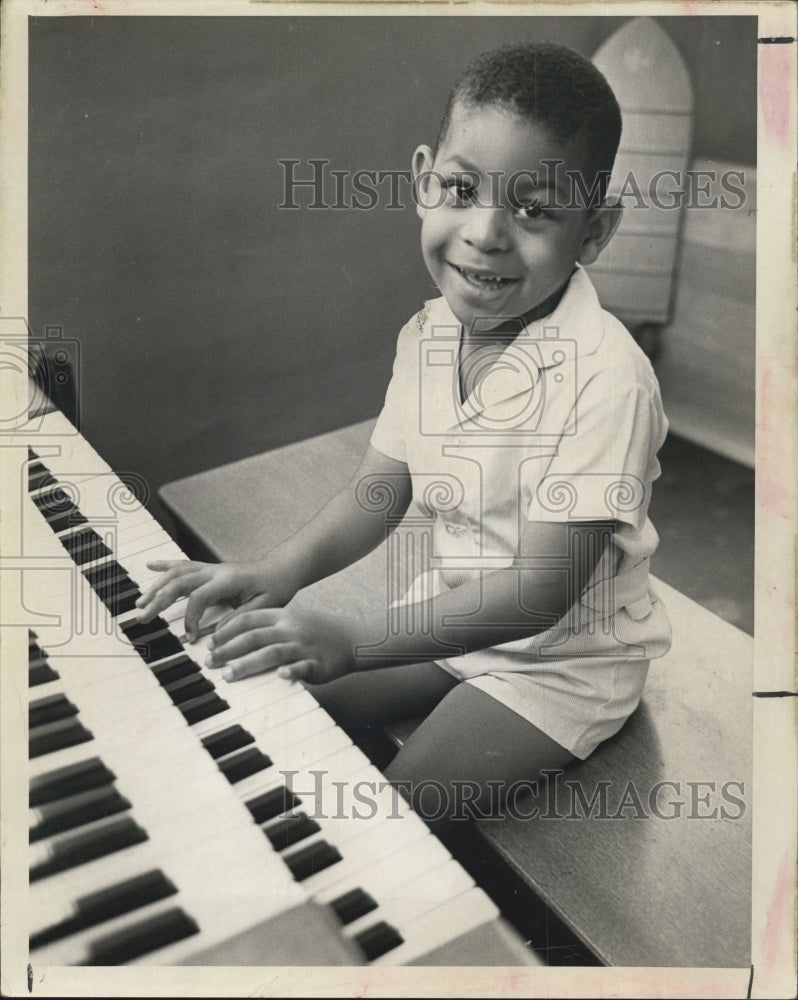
pixel 532 210
pixel 462 191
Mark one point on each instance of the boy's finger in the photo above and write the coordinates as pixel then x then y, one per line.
pixel 224 619
pixel 260 601
pixel 168 583
pixel 248 642
pixel 300 671
pixel 161 565
pixel 254 663
pixel 198 602
pixel 245 621
pixel 149 605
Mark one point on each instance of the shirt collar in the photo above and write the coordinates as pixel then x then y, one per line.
pixel 577 318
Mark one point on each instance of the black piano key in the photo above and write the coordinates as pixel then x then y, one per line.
pixel 271 804
pixel 203 707
pixel 84 847
pixel 57 736
pixel 39 476
pixel 41 673
pixel 291 830
pixel 136 631
pixel 123 602
pixel 35 651
pixel 50 709
pixel 160 648
pixel 68 519
pixel 352 904
pixel 110 591
pixel 116 590
pixel 187 688
pixel 311 859
pixel 142 938
pixel 112 902
pixel 153 641
pixel 174 670
pixel 378 940
pixel 35 466
pixel 57 509
pixel 53 499
pixel 106 589
pixel 78 810
pixel 85 546
pixel 227 740
pixel 70 780
pixel 105 573
pixel 243 764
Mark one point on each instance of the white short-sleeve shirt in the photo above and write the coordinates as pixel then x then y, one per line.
pixel 564 425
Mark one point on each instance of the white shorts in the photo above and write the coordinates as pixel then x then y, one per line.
pixel 577 696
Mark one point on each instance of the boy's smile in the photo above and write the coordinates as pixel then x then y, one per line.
pixel 498 235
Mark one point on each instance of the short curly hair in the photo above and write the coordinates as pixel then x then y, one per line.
pixel 550 85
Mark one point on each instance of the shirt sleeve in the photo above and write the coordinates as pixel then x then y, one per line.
pixel 391 430
pixel 604 468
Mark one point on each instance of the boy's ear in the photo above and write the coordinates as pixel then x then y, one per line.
pixel 603 222
pixel 423 159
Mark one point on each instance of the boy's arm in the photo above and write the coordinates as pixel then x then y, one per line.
pixel 350 525
pixel 516 602
pixel 519 601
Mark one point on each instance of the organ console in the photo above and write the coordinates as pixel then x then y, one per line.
pixel 177 819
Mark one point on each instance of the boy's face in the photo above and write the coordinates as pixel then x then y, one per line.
pixel 497 241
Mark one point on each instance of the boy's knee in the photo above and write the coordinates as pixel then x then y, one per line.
pixel 440 802
pixel 337 703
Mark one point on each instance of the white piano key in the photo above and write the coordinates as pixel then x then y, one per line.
pixel 441 925
pixel 383 879
pixel 375 843
pixel 312 752
pixel 408 900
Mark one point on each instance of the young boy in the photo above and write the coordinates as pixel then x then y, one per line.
pixel 524 422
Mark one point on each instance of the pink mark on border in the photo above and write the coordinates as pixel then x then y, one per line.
pixel 773 492
pixel 777 913
pixel 774 91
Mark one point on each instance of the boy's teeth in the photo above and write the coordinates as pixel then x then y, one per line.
pixel 489 281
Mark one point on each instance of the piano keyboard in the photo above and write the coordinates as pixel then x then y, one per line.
pixel 177 819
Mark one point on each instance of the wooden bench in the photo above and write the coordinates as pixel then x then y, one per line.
pixel 634 886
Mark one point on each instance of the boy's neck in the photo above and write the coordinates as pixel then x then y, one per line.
pixel 510 328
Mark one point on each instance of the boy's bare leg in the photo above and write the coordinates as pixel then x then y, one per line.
pixel 467 742
pixel 362 703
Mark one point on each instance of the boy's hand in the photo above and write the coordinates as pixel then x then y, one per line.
pixel 206 584
pixel 304 645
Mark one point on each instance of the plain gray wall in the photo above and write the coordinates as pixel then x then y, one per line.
pixel 213 325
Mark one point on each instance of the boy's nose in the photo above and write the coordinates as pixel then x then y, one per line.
pixel 485 228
